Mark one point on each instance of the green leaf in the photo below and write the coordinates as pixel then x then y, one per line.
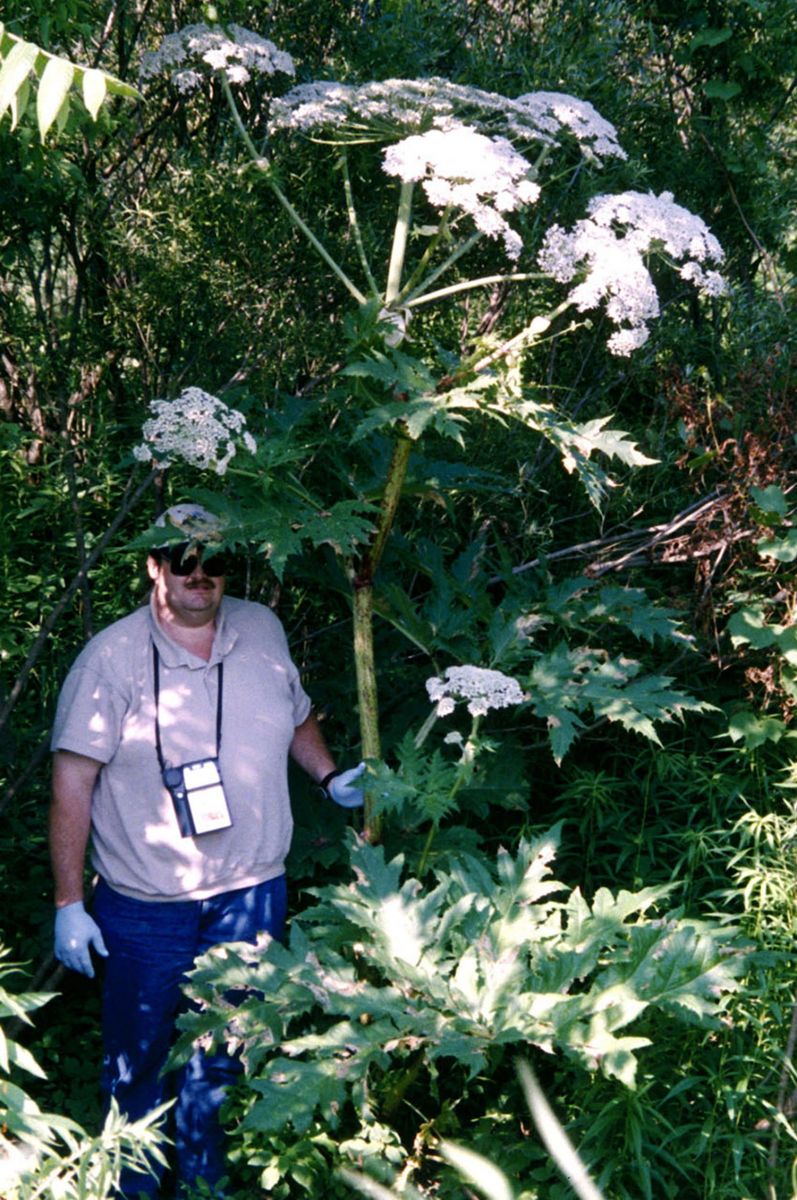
pixel 293 1091
pixel 748 626
pixel 54 85
pixel 565 682
pixel 721 89
pixel 770 499
pixel 95 87
pixel 710 37
pixel 577 443
pixel 633 609
pixel 755 730
pixel 19 102
pixel 782 549
pixel 18 64
pixel 786 641
pixel 345 525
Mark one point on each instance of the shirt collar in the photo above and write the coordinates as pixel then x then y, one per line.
pixel 175 655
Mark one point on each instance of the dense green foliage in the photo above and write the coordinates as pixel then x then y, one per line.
pixel 633 572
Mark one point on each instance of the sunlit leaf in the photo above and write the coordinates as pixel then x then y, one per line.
pixel 95 88
pixel 54 85
pixel 17 65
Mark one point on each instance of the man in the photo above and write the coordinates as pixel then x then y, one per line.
pixel 171 741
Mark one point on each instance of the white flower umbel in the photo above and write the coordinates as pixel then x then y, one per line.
pixel 461 168
pixel 196 428
pixel 482 688
pixel 395 106
pixel 607 252
pixel 553 111
pixel 197 49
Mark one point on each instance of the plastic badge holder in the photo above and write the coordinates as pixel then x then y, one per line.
pixel 199 799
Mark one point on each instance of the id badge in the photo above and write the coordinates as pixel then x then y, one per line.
pixel 204 796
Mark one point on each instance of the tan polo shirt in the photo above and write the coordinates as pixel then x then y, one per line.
pixel 106 711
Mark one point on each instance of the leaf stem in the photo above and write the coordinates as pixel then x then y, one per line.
pixel 464 769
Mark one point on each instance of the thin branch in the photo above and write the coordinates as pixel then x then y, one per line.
pixel 467 284
pixel 454 256
pixel 16 786
pixel 649 537
pixel 129 501
pixel 354 223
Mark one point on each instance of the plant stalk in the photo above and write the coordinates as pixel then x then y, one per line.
pixel 399 248
pixel 363 610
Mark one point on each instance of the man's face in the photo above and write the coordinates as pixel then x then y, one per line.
pixel 191 599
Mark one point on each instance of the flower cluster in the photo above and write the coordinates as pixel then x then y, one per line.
pixel 459 167
pixel 607 250
pixel 482 688
pixel 393 106
pixel 553 111
pixel 196 428
pixel 186 55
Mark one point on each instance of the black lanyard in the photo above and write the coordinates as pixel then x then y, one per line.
pixel 159 748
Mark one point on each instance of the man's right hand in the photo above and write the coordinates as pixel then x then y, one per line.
pixel 75 933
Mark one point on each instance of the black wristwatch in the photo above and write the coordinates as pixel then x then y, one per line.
pixel 323 784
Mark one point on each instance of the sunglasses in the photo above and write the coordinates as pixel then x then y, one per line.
pixel 182 563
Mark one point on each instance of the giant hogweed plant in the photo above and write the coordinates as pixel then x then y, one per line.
pixel 391 1001
pixel 475 177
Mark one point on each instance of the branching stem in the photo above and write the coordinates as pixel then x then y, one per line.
pixel 263 164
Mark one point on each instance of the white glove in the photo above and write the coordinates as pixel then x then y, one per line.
pixel 75 932
pixel 344 791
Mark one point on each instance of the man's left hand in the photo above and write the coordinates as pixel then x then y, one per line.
pixel 344 789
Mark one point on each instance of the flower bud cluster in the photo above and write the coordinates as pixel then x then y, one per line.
pixel 607 251
pixel 459 167
pixel 197 429
pixel 482 688
pixel 186 55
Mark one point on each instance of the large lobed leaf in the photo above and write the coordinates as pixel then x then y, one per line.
pixel 383 973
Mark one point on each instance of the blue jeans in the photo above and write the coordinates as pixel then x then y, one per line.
pixel 151 945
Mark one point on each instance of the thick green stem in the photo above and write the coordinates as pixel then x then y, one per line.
pixel 366 674
pixel 399 248
pixel 363 609
pixel 397 472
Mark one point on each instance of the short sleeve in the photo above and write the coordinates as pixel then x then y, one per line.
pixel 89 715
